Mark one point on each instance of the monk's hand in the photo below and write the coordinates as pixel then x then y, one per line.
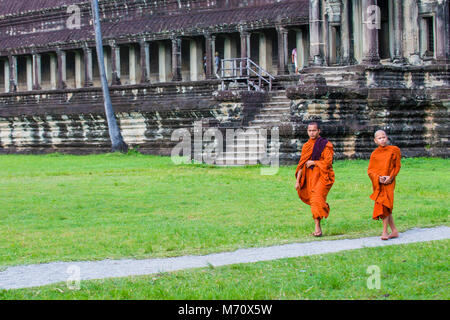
pixel 382 179
pixel 388 180
pixel 297 185
pixel 310 163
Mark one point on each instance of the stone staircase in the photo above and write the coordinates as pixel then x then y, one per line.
pixel 273 113
pixel 254 147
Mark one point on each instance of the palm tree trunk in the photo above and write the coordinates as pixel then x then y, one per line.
pixel 114 132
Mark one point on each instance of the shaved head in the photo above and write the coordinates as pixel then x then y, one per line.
pixel 381 138
pixel 379 132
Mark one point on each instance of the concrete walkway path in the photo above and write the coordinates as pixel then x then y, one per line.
pixel 44 274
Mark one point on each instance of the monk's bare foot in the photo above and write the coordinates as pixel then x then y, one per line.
pixel 393 235
pixel 384 236
pixel 317 234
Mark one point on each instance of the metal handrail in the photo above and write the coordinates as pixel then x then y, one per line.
pixel 245 69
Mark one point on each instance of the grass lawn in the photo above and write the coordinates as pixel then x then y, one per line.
pixel 66 208
pixel 413 271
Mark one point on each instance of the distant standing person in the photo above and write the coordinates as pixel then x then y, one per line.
pixel 294 59
pixel 383 168
pixel 217 64
pixel 204 63
pixel 315 175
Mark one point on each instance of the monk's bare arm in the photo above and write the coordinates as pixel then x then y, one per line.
pixel 299 176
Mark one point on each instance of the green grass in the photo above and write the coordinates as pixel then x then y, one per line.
pixel 414 271
pixel 67 208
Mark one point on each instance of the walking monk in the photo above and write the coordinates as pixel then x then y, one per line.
pixel 315 175
pixel 384 166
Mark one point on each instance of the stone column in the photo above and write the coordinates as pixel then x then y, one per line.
pixel 145 61
pixel 62 76
pixel 265 52
pixel 245 49
pixel 29 68
pixel 230 52
pixel 370 33
pixel 115 63
pixel 88 73
pixel 196 60
pixel 176 59
pixel 78 69
pixel 53 71
pixel 282 51
pixel 6 75
pixel 132 64
pixel 37 75
pixel 345 33
pixel 164 57
pixel 12 73
pixel 213 56
pixel 440 34
pixel 315 22
pixel 398 32
pixel 209 56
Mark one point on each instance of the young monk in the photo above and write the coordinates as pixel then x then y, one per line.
pixel 384 166
pixel 315 175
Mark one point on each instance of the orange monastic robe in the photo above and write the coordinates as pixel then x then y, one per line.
pixel 316 183
pixel 384 161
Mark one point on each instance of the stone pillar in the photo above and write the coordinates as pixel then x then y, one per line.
pixel 176 59
pixel 209 56
pixel 245 48
pixel 327 42
pixel 230 52
pixel 78 70
pixel 53 71
pixel 29 68
pixel 12 73
pixel 282 51
pixel 164 57
pixel 441 32
pixel 62 75
pixel 37 75
pixel 357 32
pixel 6 75
pixel 302 48
pixel 315 22
pixel 88 72
pixel 213 56
pixel 265 52
pixel 398 32
pixel 345 33
pixel 332 56
pixel 132 64
pixel 145 61
pixel 115 63
pixel 370 33
pixel 196 60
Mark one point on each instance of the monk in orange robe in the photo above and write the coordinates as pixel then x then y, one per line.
pixel 384 166
pixel 315 175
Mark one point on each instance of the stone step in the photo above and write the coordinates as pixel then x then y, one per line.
pixel 277 103
pixel 269 116
pixel 275 109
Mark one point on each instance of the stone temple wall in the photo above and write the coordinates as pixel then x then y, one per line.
pixel 411 104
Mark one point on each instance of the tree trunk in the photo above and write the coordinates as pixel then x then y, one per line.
pixel 114 132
